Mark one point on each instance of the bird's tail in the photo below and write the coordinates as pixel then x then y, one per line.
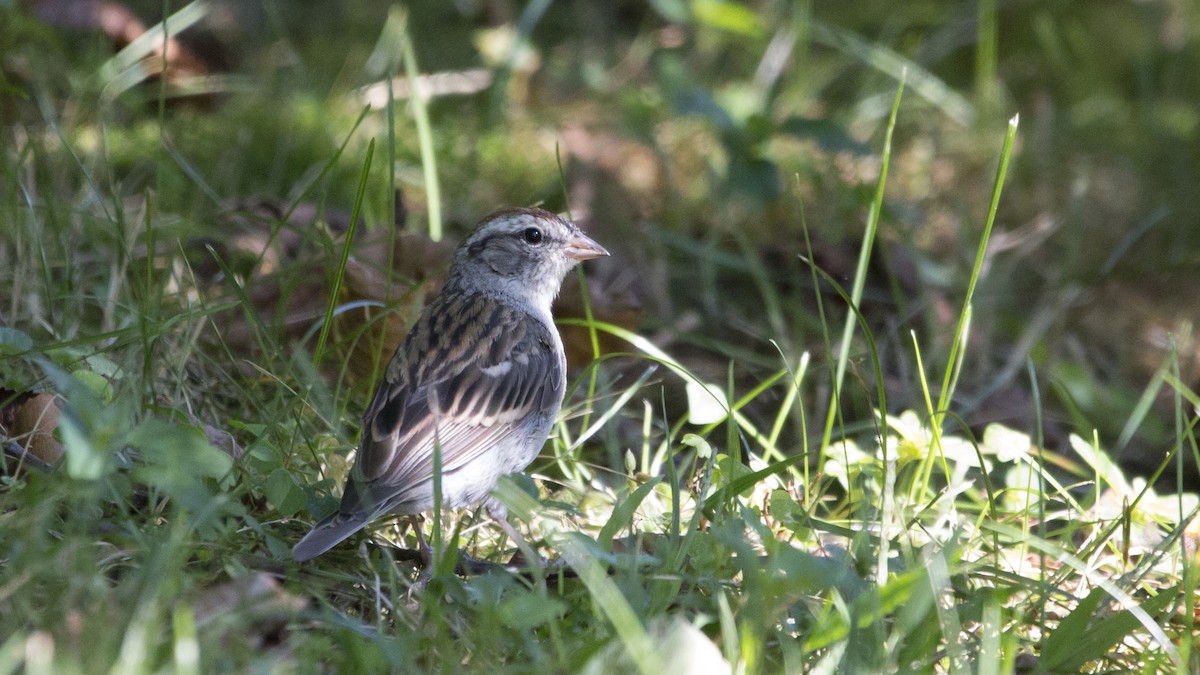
pixel 329 533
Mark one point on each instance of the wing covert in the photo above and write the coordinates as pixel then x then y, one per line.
pixel 470 373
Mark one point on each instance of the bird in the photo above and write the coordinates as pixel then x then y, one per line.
pixel 480 375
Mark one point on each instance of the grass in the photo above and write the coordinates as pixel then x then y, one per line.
pixel 768 471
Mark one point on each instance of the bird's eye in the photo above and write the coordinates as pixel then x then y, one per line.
pixel 532 235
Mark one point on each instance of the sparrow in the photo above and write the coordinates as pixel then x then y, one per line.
pixel 481 375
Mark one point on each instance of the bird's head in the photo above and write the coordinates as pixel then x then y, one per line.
pixel 522 254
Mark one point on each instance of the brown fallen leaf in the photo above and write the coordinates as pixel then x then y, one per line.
pixel 221 439
pixel 27 423
pixel 257 599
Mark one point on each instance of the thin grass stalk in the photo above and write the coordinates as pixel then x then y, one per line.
pixel 825 340
pixel 925 471
pixel 433 191
pixel 676 488
pixel 880 392
pixel 1188 576
pixel 953 363
pixel 162 78
pixel 585 293
pixel 1039 445
pixel 378 354
pixel 860 276
pixel 887 507
pixel 732 447
pixel 1141 410
pixel 664 451
pixel 439 547
pixel 785 408
pixel 145 313
pixel 335 286
pixel 705 452
pixel 647 429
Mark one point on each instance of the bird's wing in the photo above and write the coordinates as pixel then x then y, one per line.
pixel 465 382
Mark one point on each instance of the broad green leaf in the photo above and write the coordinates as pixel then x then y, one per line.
pixel 283 492
pixel 529 610
pixel 84 460
pixel 96 383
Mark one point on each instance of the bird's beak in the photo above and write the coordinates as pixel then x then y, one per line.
pixel 580 247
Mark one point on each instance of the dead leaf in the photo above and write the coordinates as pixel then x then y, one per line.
pixel 257 595
pixel 28 421
pixel 222 440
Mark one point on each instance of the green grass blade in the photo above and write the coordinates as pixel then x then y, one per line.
pixel 433 190
pixel 612 604
pixel 954 361
pixel 860 273
pixel 335 286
